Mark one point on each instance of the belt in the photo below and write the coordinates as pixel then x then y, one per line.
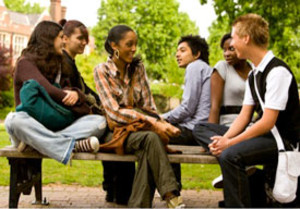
pixel 230 110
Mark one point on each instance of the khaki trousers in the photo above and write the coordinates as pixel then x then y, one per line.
pixel 154 169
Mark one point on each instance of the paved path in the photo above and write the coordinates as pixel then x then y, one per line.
pixel 72 196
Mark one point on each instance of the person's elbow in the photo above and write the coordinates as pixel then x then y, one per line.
pixel 269 118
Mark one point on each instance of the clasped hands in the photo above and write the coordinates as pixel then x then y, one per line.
pixel 219 144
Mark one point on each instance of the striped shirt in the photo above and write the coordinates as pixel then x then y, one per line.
pixel 114 92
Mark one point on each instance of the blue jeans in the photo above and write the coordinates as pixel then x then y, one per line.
pixel 260 150
pixel 57 145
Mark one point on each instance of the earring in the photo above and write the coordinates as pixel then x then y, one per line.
pixel 117 53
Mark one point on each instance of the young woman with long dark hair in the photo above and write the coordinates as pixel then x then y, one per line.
pixel 42 61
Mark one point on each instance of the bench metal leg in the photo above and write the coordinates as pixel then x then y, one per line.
pixel 24 174
pixel 14 194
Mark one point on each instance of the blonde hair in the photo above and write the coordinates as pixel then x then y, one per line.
pixel 255 26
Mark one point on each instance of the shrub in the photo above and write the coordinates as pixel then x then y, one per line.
pixel 5 69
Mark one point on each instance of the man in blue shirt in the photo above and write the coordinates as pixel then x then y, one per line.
pixel 192 54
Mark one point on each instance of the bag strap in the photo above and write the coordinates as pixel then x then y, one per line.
pixel 274 130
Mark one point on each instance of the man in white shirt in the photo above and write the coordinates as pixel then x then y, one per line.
pixel 240 147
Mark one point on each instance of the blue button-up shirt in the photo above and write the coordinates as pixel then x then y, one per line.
pixel 195 105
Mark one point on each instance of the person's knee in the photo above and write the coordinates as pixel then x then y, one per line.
pixel 200 135
pixel 16 120
pixel 200 130
pixel 229 156
pixel 99 124
pixel 152 139
pixel 101 121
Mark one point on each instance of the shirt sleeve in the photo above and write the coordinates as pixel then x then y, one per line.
pixel 248 99
pixel 27 70
pixel 109 102
pixel 277 89
pixel 221 68
pixel 191 95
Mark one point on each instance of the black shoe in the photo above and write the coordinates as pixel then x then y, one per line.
pixel 109 196
pixel 221 204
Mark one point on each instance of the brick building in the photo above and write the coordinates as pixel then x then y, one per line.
pixel 15 28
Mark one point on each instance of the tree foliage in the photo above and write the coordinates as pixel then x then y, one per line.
pixel 159 26
pixel 86 64
pixel 282 15
pixel 23 7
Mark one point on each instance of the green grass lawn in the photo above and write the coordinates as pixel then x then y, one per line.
pixel 89 173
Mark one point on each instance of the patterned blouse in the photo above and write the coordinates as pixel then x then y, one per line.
pixel 114 93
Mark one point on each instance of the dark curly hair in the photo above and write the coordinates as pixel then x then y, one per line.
pixel 197 44
pixel 40 49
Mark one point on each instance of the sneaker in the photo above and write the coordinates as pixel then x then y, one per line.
pixel 90 144
pixel 218 182
pixel 175 202
pixel 250 170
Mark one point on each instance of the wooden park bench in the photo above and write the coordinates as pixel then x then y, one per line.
pixel 26 172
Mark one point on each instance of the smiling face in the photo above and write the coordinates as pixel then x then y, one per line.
pixel 229 52
pixel 126 46
pixel 58 43
pixel 239 43
pixel 184 55
pixel 75 43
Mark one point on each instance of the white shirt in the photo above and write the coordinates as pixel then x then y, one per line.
pixel 278 82
pixel 233 92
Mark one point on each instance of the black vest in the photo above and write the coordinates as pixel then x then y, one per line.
pixel 288 121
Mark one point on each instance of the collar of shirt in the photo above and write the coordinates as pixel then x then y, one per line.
pixel 68 56
pixel 263 63
pixel 114 71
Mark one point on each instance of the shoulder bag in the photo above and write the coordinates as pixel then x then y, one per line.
pixel 36 101
pixel 288 168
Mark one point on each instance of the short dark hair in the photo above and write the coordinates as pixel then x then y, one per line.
pixel 225 38
pixel 197 44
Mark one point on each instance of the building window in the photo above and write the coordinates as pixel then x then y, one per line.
pixel 19 43
pixel 4 40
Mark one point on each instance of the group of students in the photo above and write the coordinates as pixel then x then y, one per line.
pixel 122 115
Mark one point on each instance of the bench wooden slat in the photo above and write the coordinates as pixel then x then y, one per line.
pixel 191 154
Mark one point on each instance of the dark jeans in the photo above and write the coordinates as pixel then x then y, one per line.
pixel 185 138
pixel 203 131
pixel 117 178
pixel 260 150
pixel 233 161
